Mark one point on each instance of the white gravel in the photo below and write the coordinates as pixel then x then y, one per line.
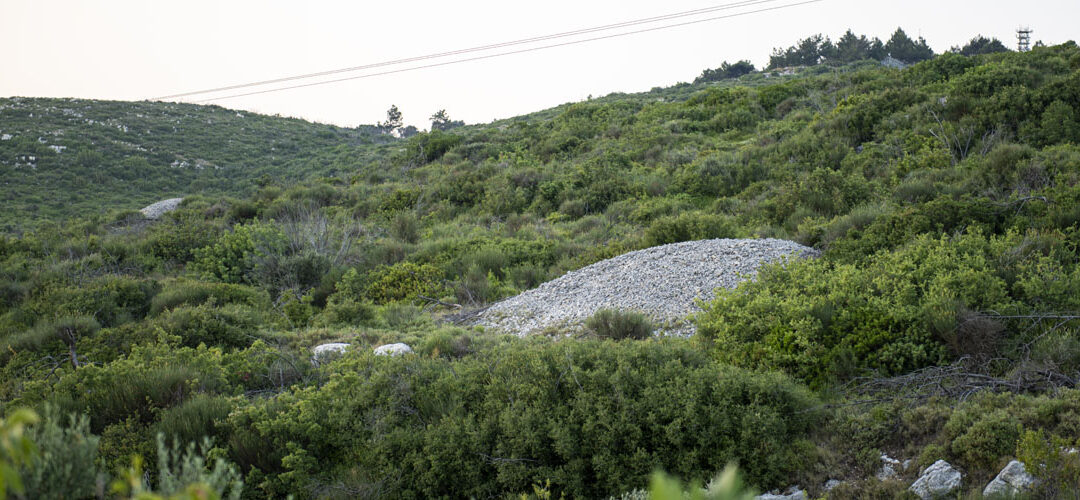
pixel 156 210
pixel 663 282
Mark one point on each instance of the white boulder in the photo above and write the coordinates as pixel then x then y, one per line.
pixel 392 350
pixel 792 493
pixel 936 481
pixel 1013 479
pixel 324 350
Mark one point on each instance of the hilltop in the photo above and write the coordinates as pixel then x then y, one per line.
pixel 61 158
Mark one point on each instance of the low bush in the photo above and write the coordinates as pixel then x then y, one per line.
pixel 194 293
pixel 618 325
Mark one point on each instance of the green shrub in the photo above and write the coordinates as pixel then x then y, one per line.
pixel 231 325
pixel 404 281
pixel 236 255
pixel 687 227
pixel 980 441
pixel 194 293
pixel 826 322
pixel 180 468
pixel 199 417
pixel 1058 471
pixel 64 466
pixel 619 325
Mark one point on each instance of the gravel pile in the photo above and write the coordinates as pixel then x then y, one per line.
pixel 663 282
pixel 156 210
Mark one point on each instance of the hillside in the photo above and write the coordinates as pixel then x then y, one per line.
pixel 62 158
pixel 938 320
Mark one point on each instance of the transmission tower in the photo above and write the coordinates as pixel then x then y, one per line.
pixel 1023 38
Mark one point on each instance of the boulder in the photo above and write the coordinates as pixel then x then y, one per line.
pixel 888 468
pixel 832 484
pixel 936 481
pixel 792 493
pixel 156 210
pixel 392 350
pixel 1012 480
pixel 331 348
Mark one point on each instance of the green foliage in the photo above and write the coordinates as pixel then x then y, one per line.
pixel 231 325
pixel 1058 469
pixel 64 466
pixel 726 486
pixel 593 417
pixel 16 449
pixel 237 255
pixel 688 227
pixel 194 293
pixel 404 281
pixel 826 322
pixel 178 468
pixel 618 325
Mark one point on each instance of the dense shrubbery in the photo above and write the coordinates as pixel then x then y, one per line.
pixel 592 417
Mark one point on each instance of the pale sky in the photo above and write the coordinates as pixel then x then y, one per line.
pixel 138 49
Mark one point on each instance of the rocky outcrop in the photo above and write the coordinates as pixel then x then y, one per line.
pixel 936 481
pixel 1012 480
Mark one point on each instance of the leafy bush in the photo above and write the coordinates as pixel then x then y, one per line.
pixel 64 466
pixel 687 227
pixel 618 325
pixel 403 281
pixel 826 322
pixel 198 417
pixel 231 325
pixel 194 293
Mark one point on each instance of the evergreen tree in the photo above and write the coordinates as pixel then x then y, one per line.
pixel 981 45
pixel 902 47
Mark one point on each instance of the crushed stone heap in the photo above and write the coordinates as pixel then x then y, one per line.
pixel 663 282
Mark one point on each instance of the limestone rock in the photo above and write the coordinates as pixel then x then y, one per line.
pixel 888 468
pixel 936 481
pixel 154 211
pixel 832 484
pixel 392 350
pixel 323 350
pixel 792 493
pixel 1011 480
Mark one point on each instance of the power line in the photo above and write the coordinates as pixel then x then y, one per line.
pixel 635 22
pixel 520 51
pixel 475 49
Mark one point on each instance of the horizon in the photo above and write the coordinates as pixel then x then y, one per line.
pixel 279 41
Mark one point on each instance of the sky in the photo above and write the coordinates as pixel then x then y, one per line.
pixel 140 49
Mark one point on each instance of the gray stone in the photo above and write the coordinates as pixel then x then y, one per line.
pixel 832 484
pixel 936 481
pixel 392 350
pixel 1011 480
pixel 792 493
pixel 326 350
pixel 888 468
pixel 156 210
